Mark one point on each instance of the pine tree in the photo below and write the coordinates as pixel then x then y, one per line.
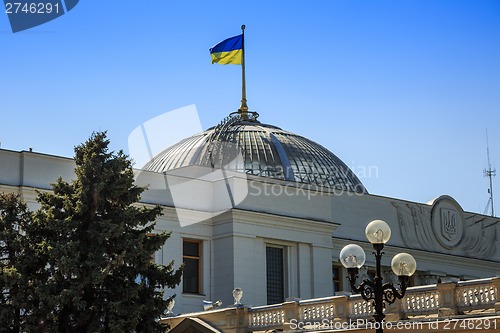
pixel 98 245
pixel 14 217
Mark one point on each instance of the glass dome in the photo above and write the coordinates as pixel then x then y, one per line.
pixel 266 151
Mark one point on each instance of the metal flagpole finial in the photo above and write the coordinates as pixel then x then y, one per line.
pixel 243 110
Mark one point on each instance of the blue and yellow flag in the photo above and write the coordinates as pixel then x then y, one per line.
pixel 229 51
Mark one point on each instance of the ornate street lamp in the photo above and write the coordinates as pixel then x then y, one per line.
pixel 403 265
pixel 237 295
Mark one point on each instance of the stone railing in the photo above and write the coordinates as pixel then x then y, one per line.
pixel 470 295
pixel 423 300
pixel 439 300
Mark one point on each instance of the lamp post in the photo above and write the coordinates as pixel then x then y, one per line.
pixel 403 265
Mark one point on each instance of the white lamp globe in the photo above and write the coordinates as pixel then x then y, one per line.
pixel 378 232
pixel 403 264
pixel 352 256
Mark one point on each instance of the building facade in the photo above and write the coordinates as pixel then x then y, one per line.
pixel 252 206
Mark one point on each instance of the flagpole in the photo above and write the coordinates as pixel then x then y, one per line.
pixel 243 110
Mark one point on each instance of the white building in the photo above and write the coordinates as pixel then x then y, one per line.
pixel 274 219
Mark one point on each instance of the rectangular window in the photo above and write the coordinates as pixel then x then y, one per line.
pixel 191 276
pixel 337 278
pixel 275 275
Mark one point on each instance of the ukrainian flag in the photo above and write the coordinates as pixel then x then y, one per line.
pixel 229 51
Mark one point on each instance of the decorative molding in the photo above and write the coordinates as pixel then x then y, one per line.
pixel 447 221
pixel 442 226
pixel 282 222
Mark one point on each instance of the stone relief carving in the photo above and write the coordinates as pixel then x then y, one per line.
pixel 481 236
pixel 441 226
pixel 447 218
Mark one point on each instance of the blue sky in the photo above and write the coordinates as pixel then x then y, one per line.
pixel 403 88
